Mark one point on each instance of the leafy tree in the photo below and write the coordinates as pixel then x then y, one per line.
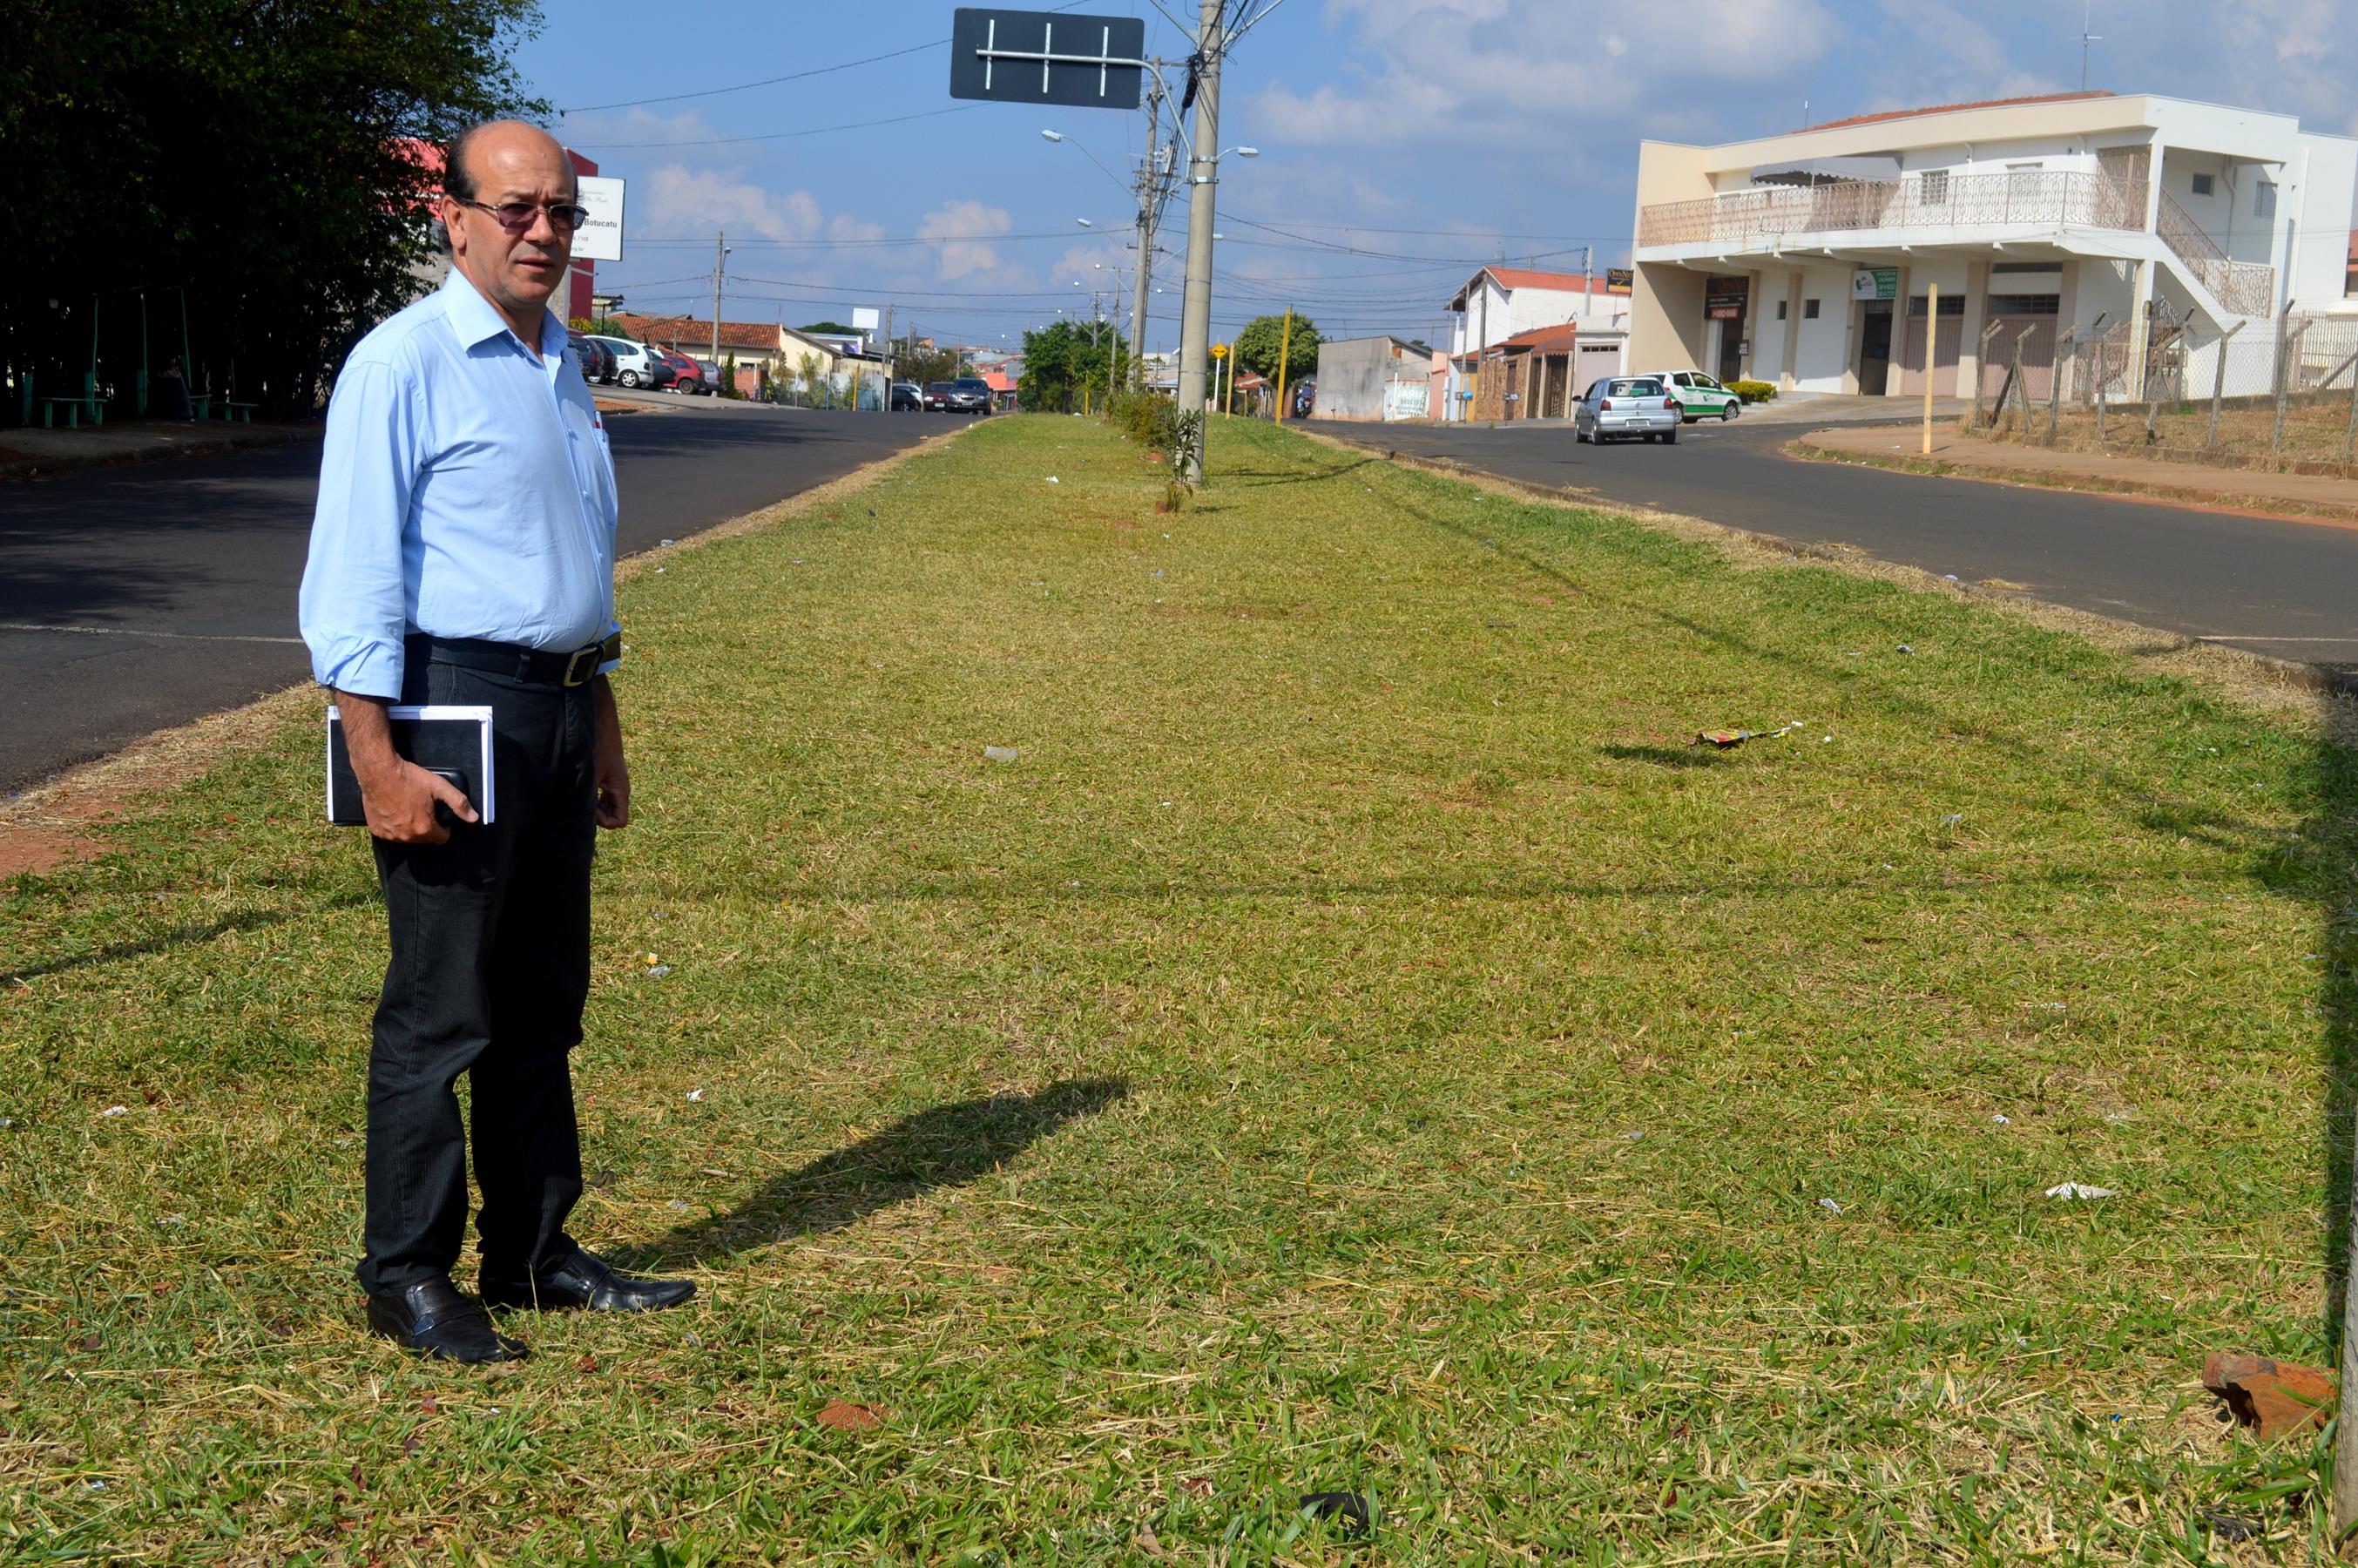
pixel 912 361
pixel 835 327
pixel 1060 362
pixel 1257 347
pixel 250 152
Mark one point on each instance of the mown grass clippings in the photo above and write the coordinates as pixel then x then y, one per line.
pixel 1348 1051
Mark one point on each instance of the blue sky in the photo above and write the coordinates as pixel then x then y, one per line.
pixel 1403 142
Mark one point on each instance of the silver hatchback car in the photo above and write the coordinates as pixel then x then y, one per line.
pixel 1626 405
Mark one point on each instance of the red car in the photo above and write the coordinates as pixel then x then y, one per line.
pixel 687 373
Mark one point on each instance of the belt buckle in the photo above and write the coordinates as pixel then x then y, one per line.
pixel 575 674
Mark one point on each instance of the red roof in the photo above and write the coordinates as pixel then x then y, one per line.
pixel 1538 339
pixel 998 380
pixel 685 334
pixel 1952 108
pixel 1513 278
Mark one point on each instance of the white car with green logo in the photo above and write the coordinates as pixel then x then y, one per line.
pixel 1700 396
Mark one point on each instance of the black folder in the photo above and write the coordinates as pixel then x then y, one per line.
pixel 452 741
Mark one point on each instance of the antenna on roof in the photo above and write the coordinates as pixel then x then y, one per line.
pixel 2087 20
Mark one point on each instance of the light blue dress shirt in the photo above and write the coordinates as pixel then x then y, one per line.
pixel 466 490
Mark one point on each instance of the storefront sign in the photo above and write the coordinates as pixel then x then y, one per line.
pixel 1724 297
pixel 1618 280
pixel 1874 283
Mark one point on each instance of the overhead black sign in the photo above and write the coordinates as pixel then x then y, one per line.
pixel 1618 280
pixel 1043 57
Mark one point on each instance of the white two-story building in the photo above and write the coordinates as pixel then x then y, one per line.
pixel 1802 260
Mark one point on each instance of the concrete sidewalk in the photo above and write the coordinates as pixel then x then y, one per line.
pixel 31 451
pixel 2307 497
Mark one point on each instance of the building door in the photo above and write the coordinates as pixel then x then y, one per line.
pixel 1731 349
pixel 1875 349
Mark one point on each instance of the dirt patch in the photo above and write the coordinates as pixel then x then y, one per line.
pixel 55 824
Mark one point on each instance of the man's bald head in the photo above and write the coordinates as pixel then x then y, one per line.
pixel 493 140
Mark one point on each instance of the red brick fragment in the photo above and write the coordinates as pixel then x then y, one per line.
pixel 2275 1397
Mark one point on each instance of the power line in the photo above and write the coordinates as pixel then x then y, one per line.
pixel 790 76
pixel 782 136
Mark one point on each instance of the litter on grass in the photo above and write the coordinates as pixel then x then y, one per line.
pixel 1727 739
pixel 695 1094
pixel 659 971
pixel 2080 1190
pixel 115 1110
pixel 1001 753
pixel 1051 479
pixel 2001 1121
pixel 1830 1206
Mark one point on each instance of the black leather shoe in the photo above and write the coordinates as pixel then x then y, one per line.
pixel 434 1320
pixel 584 1283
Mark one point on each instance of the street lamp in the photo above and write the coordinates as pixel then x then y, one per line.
pixel 1060 137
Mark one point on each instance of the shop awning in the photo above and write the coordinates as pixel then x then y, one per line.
pixel 1825 170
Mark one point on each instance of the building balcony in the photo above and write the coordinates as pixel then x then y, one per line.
pixel 2030 208
pixel 1923 211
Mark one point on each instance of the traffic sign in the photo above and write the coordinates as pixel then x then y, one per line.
pixel 1047 56
pixel 1219 350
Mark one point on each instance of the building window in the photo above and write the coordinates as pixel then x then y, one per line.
pixel 1951 305
pixel 1808 309
pixel 2025 303
pixel 2263 200
pixel 1780 308
pixel 1936 187
pixel 2201 184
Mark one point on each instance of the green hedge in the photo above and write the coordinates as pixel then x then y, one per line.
pixel 1752 391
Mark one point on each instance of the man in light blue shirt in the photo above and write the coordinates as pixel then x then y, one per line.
pixel 463 553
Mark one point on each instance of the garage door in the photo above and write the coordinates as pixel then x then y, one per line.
pixel 1591 361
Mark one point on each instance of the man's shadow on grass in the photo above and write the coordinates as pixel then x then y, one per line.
pixel 945 1146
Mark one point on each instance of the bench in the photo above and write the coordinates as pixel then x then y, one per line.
pixel 229 410
pixel 73 408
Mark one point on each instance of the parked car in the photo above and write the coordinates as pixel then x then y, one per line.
pixel 636 365
pixel 686 375
pixel 1700 397
pixel 1626 405
pixel 908 395
pixel 968 394
pixel 594 358
pixel 714 383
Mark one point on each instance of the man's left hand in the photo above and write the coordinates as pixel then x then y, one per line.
pixel 613 772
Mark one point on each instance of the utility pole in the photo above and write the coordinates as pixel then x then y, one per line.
pixel 719 260
pixel 1203 171
pixel 1149 179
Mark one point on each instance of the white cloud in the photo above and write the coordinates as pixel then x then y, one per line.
pixel 964 224
pixel 1517 78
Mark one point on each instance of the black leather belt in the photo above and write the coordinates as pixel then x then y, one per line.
pixel 542 666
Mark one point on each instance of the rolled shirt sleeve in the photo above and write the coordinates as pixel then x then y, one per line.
pixel 355 603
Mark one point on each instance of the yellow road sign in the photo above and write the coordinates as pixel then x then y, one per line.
pixel 1219 350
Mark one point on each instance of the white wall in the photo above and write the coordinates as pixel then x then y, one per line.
pixel 2322 212
pixel 1821 356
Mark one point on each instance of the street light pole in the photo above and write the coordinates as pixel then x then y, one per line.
pixel 1202 168
pixel 1149 175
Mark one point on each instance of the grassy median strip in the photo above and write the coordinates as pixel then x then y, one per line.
pixel 1357 1045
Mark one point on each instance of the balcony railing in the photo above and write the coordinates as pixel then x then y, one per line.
pixel 2043 199
pixel 2248 288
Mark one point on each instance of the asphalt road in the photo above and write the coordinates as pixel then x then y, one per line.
pixel 2277 588
pixel 134 598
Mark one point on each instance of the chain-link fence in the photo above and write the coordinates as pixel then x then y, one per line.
pixel 2276 392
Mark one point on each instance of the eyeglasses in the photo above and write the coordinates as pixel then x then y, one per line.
pixel 516 217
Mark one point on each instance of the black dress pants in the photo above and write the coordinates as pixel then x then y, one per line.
pixel 489 971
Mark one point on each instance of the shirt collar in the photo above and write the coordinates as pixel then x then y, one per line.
pixel 473 320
